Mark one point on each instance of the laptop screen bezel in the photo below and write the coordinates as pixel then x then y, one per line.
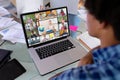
pixel 39 44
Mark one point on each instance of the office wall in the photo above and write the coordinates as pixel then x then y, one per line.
pixel 28 5
pixel 71 4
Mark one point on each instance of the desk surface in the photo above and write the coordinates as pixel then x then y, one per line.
pixel 21 54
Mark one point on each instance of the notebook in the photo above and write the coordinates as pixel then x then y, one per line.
pixel 48 39
pixel 88 41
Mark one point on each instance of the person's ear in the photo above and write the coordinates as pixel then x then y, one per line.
pixel 103 24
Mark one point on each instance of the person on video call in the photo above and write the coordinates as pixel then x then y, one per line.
pixel 103 62
pixel 50 28
pixel 63 29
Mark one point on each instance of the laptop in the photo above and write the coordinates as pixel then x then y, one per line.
pixel 48 39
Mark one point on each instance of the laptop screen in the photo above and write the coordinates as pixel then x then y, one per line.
pixel 44 26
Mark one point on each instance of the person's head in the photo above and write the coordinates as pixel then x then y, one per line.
pixel 54 12
pixel 50 22
pixel 62 20
pixel 62 10
pixel 103 13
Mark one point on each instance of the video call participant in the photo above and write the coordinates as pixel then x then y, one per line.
pixel 63 29
pixel 50 28
pixel 33 34
pixel 40 29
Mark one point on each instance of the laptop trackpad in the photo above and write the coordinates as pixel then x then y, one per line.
pixel 63 59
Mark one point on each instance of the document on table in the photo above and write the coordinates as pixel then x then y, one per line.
pixel 88 41
pixel 3 11
pixel 5 22
pixel 13 33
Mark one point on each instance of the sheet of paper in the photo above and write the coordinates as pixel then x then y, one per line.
pixel 90 41
pixel 14 34
pixel 6 29
pixel 3 11
pixel 3 32
pixel 4 3
pixel 5 22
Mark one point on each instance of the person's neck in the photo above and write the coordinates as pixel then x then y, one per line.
pixel 108 39
pixel 109 42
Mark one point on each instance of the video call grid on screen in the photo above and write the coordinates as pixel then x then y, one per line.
pixel 45 26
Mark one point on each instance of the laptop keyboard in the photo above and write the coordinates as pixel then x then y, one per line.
pixel 53 49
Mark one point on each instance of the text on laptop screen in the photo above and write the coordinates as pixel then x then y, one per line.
pixel 45 25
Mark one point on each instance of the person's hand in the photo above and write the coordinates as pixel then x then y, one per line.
pixel 55 76
pixel 88 59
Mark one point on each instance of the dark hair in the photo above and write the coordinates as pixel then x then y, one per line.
pixel 107 11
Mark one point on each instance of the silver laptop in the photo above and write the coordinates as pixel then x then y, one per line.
pixel 48 39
